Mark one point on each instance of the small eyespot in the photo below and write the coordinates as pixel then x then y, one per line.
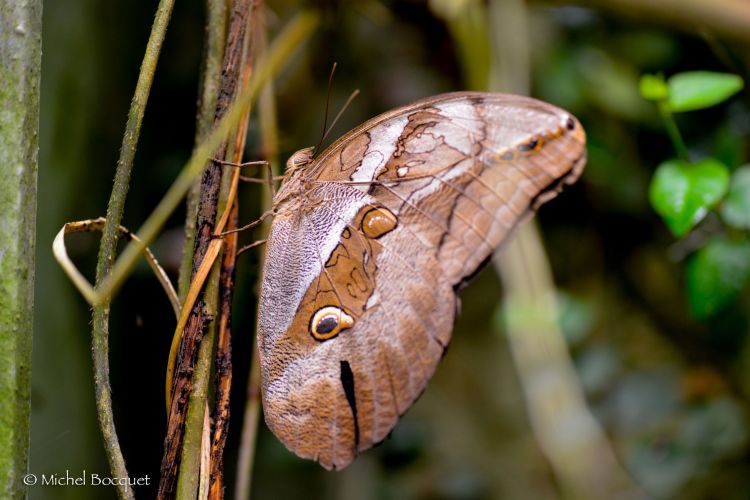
pixel 377 222
pixel 328 322
pixel 570 123
pixel 529 146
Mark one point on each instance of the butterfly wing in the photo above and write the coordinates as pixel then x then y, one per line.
pixel 358 297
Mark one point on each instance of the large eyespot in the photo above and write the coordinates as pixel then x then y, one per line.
pixel 328 322
pixel 377 222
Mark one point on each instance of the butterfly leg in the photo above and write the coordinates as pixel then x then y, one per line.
pixel 250 246
pixel 251 225
pixel 269 180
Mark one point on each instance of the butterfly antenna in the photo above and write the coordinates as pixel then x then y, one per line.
pixel 343 108
pixel 328 100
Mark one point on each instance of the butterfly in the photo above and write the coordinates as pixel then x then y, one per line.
pixel 371 241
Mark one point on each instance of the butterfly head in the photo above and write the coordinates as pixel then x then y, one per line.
pixel 294 179
pixel 299 160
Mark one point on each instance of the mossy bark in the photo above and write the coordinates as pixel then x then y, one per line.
pixel 20 62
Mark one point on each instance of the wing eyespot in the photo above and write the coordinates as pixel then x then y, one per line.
pixel 531 145
pixel 378 222
pixel 328 322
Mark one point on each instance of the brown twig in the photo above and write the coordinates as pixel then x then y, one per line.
pixel 198 322
pixel 726 18
pixel 223 364
pixel 213 54
pixel 226 293
pixel 180 394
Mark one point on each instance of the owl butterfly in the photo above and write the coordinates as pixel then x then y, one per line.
pixel 370 243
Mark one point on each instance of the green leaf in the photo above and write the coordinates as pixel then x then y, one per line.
pixel 701 89
pixel 682 193
pixel 654 88
pixel 716 274
pixel 736 207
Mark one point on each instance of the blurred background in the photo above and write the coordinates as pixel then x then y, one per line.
pixel 671 392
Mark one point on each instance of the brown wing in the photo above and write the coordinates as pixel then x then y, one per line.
pixel 358 297
pixel 466 168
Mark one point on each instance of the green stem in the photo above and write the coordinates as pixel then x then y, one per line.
pixel 100 329
pixel 20 63
pixel 287 41
pixel 673 131
pixel 190 462
pixel 216 37
pixel 216 25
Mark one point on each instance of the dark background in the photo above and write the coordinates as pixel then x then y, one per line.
pixel 670 391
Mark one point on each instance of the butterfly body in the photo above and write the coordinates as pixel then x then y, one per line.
pixel 371 241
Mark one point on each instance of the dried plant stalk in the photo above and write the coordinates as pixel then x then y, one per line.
pixel 184 387
pixel 223 372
